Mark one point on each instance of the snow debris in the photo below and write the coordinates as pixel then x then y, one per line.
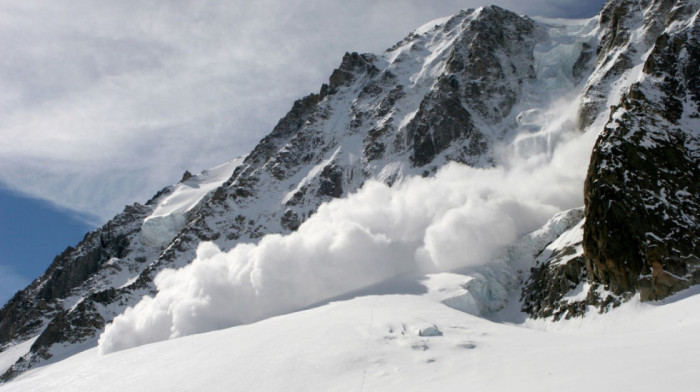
pixel 432 330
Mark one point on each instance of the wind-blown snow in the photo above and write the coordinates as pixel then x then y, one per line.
pixel 460 217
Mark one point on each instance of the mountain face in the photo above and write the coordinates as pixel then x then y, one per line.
pixel 462 90
pixel 640 232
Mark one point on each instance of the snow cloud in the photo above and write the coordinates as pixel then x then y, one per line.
pixel 103 103
pixel 461 217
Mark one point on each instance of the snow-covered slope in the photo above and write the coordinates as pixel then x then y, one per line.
pixel 404 339
pixel 642 192
pixel 170 214
pixel 463 148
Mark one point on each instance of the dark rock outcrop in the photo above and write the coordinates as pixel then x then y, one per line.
pixel 642 190
pixel 483 77
pixel 617 19
pixel 440 120
pixel 548 284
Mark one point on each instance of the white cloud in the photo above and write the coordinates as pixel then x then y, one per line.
pixel 103 103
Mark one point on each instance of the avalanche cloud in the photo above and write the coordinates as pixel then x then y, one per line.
pixel 461 217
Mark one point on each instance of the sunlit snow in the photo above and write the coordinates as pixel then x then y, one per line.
pixel 169 216
pixel 382 341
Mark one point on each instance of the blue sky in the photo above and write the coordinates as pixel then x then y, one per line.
pixel 104 103
pixel 32 233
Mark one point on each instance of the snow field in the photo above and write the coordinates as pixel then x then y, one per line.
pixel 374 343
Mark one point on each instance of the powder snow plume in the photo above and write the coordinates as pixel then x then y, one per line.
pixel 460 217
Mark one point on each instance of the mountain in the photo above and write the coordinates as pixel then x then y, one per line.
pixel 470 146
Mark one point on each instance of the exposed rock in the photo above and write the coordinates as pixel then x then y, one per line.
pixel 550 282
pixel 186 176
pixel 352 64
pixel 374 147
pixel 440 120
pixel 494 61
pixel 331 181
pixel 642 206
pixel 642 191
pixel 617 19
pixel 290 220
pixel 483 76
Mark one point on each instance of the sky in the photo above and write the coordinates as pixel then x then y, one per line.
pixel 32 233
pixel 104 103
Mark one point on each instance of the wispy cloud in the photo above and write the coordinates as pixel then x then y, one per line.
pixel 105 102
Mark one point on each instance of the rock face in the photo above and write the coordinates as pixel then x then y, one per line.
pixel 450 91
pixel 483 75
pixel 642 190
pixel 559 285
pixel 640 233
